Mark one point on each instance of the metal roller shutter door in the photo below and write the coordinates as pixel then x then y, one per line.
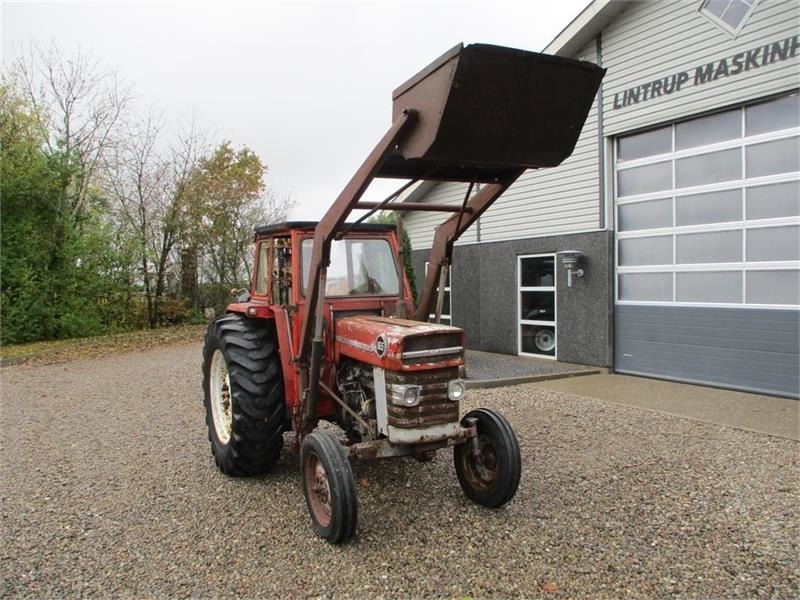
pixel 708 249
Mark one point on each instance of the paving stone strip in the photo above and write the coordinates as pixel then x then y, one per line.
pixel 109 490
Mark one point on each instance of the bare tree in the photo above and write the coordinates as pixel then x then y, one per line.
pixel 147 178
pixel 80 106
pixel 191 144
pixel 137 178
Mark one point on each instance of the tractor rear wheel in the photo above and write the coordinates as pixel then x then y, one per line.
pixel 329 487
pixel 491 478
pixel 243 395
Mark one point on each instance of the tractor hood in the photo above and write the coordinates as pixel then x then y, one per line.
pixel 399 344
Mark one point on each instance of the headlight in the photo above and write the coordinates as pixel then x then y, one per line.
pixel 456 390
pixel 404 395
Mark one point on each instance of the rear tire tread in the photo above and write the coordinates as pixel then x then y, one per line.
pixel 251 353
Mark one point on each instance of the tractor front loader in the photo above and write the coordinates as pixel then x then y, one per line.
pixel 328 330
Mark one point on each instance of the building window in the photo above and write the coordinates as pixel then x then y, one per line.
pixel 447 312
pixel 537 305
pixel 730 15
pixel 708 210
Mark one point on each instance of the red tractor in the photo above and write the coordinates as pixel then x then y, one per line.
pixel 329 330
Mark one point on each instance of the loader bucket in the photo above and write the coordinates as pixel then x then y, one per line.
pixel 485 111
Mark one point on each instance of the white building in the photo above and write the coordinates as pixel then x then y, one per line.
pixel 683 194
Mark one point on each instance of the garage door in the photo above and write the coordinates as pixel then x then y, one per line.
pixel 708 249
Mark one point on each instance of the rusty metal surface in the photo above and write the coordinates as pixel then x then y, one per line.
pixel 431 341
pixel 478 460
pixel 382 448
pixel 487 110
pixel 381 342
pixel 452 433
pixel 424 378
pixel 397 167
pixel 415 206
pixel 428 412
pixel 434 407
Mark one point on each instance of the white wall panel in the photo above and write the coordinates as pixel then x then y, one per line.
pixel 421 226
pixel 653 40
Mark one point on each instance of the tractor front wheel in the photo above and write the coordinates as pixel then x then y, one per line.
pixel 329 487
pixel 489 467
pixel 243 395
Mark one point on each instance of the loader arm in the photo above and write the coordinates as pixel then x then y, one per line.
pixel 311 349
pixel 477 114
pixel 446 235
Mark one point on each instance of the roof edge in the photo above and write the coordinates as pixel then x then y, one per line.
pixel 583 28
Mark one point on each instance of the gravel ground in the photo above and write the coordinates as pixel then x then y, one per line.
pixel 109 489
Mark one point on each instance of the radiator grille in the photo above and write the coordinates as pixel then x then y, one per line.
pixel 432 348
pixel 434 407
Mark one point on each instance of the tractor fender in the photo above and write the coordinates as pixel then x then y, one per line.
pixel 253 310
pixel 258 310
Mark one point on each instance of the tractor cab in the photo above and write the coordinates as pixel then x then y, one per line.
pixel 366 302
pixel 365 274
pixel 364 264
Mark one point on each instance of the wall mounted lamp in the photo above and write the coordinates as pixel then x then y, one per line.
pixel 570 259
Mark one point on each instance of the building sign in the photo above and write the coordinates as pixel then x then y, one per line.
pixel 741 62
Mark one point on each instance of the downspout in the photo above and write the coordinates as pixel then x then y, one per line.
pixel 601 154
pixel 603 210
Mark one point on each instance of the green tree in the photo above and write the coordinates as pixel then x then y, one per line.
pixel 225 198
pixel 28 182
pixel 63 273
pixel 57 278
pixel 99 217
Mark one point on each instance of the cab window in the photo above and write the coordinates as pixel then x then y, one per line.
pixel 262 270
pixel 359 267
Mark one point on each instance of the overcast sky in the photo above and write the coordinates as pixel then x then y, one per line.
pixel 306 85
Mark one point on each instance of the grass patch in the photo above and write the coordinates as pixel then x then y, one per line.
pixel 64 350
